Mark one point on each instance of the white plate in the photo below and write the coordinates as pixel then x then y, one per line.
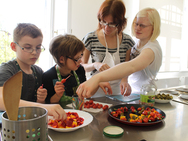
pixel 88 118
pixel 182 89
pixel 162 101
pixel 184 96
pixel 92 110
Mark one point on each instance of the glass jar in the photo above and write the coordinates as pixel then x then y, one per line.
pixel 147 96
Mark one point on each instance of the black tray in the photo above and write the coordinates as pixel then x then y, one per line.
pixel 127 114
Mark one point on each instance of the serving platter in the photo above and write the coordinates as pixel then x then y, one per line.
pixel 88 118
pixel 127 114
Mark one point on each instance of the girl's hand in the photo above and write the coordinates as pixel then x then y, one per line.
pixel 41 94
pixel 59 89
pixel 125 87
pixel 101 66
pixel 88 88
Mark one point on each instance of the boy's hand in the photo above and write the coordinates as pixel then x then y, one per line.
pixel 41 95
pixel 59 89
pixel 55 110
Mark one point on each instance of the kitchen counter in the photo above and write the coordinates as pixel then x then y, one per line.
pixel 174 127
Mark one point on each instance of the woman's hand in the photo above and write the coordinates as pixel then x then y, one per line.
pixel 41 94
pixel 59 89
pixel 101 66
pixel 125 87
pixel 104 86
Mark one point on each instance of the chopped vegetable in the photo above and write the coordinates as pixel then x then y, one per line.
pixel 141 115
pixel 73 120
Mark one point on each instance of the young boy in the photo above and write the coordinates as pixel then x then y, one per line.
pixel 67 51
pixel 28 46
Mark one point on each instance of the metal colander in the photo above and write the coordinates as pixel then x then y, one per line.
pixel 32 125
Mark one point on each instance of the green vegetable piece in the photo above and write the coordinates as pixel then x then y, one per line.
pixel 65 100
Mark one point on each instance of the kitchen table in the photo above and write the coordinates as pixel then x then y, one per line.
pixel 174 127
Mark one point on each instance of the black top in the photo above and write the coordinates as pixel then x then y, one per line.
pixel 49 79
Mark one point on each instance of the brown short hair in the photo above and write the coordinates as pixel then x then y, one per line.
pixel 117 9
pixel 24 29
pixel 65 45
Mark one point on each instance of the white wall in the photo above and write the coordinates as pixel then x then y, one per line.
pixel 84 16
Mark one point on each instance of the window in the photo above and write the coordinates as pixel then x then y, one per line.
pixel 172 41
pixel 49 15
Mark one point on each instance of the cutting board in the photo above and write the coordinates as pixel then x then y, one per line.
pixel 92 110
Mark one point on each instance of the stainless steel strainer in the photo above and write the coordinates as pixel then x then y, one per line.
pixel 32 125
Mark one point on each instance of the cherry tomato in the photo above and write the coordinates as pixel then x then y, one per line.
pixel 133 110
pixel 94 106
pixel 148 108
pixel 99 107
pixel 63 80
pixel 90 101
pixel 125 109
pixel 145 112
pixel 105 107
pixel 152 114
pixel 145 120
pixel 139 120
pixel 152 119
pixel 132 107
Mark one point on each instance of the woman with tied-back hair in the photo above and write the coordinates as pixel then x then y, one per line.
pixel 108 45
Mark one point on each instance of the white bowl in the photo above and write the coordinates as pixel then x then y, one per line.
pixel 162 101
pixel 88 118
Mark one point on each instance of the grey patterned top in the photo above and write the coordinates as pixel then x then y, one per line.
pixel 98 51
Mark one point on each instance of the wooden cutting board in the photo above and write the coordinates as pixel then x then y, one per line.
pixel 11 95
